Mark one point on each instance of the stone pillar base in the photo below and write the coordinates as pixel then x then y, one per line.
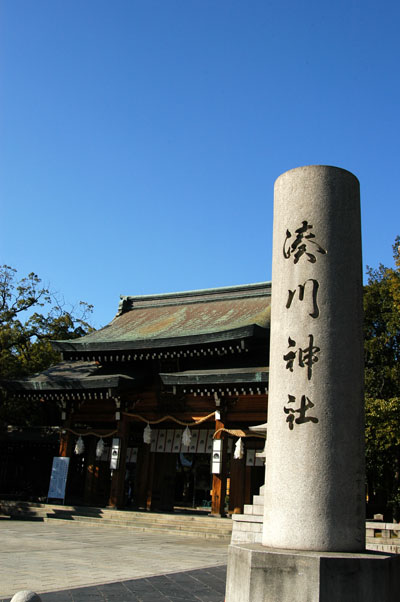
pixel 260 574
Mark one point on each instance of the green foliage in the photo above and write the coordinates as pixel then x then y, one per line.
pixel 382 383
pixel 382 330
pixel 382 438
pixel 30 317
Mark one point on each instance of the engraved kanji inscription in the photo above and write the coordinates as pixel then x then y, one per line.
pixel 311 289
pixel 306 356
pixel 305 405
pixel 303 244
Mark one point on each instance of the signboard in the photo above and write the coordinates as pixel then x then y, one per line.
pixel 115 453
pixel 216 456
pixel 250 457
pixel 58 478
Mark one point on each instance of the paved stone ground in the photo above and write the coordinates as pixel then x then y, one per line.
pixel 202 585
pixel 69 562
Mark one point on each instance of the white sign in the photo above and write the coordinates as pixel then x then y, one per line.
pixel 115 453
pixel 58 478
pixel 216 456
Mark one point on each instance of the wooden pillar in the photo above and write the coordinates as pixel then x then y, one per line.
pixel 66 440
pixel 140 478
pixel 219 480
pixel 116 499
pixel 237 489
pixel 247 486
pixel 149 481
pixel 92 471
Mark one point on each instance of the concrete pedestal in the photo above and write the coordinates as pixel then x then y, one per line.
pixel 260 574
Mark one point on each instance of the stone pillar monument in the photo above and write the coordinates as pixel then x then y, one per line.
pixel 314 523
pixel 315 484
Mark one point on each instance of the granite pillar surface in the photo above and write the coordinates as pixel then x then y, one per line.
pixel 314 500
pixel 314 494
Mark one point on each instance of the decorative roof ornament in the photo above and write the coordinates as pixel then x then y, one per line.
pixel 79 447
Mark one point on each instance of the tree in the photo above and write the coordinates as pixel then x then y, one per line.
pixel 382 384
pixel 30 317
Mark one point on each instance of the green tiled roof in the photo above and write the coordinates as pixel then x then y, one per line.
pixel 153 318
pixel 67 376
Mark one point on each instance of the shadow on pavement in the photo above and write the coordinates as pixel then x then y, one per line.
pixel 200 585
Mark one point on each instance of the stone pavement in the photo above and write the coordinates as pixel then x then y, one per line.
pixel 74 563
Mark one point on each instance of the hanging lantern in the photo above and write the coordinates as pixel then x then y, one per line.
pixel 239 450
pixel 186 437
pixel 147 434
pixel 79 447
pixel 99 448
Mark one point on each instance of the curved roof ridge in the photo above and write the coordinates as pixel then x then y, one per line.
pixel 128 302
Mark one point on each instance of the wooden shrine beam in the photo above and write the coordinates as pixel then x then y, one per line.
pixel 219 480
pixel 116 499
pixel 66 440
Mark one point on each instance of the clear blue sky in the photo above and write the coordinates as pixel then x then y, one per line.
pixel 140 140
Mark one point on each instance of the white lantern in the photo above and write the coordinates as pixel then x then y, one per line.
pixel 79 446
pixel 186 437
pixel 239 450
pixel 147 434
pixel 99 448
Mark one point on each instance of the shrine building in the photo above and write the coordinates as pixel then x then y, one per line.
pixel 155 408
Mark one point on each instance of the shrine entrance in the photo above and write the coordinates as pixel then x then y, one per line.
pixel 181 481
pixel 181 474
pixel 193 481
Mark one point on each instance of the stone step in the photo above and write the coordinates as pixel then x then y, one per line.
pixel 254 509
pixel 101 513
pixel 247 527
pixel 125 517
pixel 162 524
pixel 246 532
pixel 246 537
pixel 247 518
pixel 149 528
pixel 143 516
pixel 179 524
pixel 218 529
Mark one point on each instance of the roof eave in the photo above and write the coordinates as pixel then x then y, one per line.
pixel 244 332
pixel 215 377
pixel 88 383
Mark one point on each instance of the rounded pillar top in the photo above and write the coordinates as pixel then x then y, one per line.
pixel 315 170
